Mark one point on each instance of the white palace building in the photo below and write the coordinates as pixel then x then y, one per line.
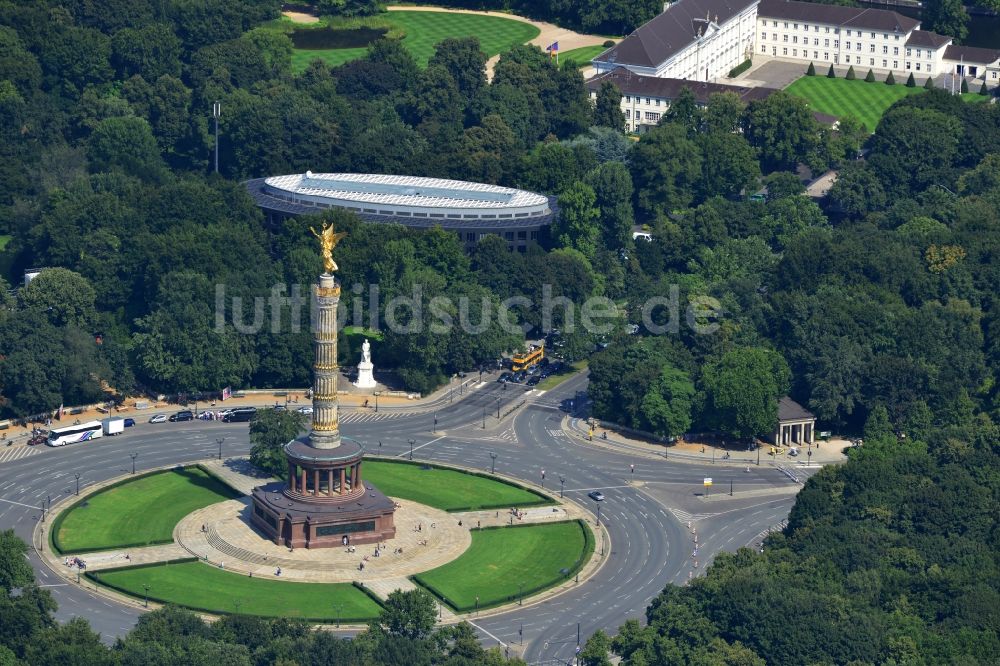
pixel 703 40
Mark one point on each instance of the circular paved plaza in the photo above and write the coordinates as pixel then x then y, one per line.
pixel 425 538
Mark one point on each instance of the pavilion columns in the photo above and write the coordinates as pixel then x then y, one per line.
pixel 291 476
pixel 302 480
pixel 315 483
pixel 329 483
pixel 343 479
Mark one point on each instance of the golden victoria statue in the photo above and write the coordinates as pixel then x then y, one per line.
pixel 328 240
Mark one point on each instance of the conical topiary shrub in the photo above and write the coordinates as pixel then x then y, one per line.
pixel 870 78
pixel 929 84
pixel 811 71
pixel 850 73
pixel 831 74
pixel 965 86
pixel 983 89
pixel 911 82
pixel 890 80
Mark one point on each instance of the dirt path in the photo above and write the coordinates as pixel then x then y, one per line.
pixel 301 17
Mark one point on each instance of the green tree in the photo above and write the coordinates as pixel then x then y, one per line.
pixel 578 224
pixel 149 51
pixel 666 167
pixel 856 192
pixel 811 71
pixel 63 297
pixel 595 650
pixel 612 185
pixel 965 85
pixel 668 404
pixel 684 112
pixel 410 614
pixel 783 184
pixel 608 110
pixel 890 80
pixel 946 17
pixel 782 129
pixel 730 167
pixel 870 77
pixel 903 164
pixel 723 112
pixel 270 430
pixel 128 144
pixel 850 73
pixel 831 74
pixel 15 569
pixel 911 82
pixel 742 388
pixel 877 427
pixel 465 61
pixel 929 83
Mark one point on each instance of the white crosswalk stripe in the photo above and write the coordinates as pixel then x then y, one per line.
pixel 16 453
pixel 368 417
pixel 685 517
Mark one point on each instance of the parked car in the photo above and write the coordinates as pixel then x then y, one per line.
pixel 185 415
pixel 596 495
pixel 305 410
pixel 240 415
pixel 158 418
pixel 505 377
pixel 534 380
pixel 39 437
pixel 129 422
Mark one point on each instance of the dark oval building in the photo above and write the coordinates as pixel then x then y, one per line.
pixel 470 210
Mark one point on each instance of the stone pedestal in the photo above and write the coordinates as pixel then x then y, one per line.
pixel 366 379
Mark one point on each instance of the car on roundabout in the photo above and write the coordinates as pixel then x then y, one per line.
pixel 185 415
pixel 596 495
pixel 158 418
pixel 305 410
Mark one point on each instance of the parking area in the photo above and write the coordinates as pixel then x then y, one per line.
pixel 770 73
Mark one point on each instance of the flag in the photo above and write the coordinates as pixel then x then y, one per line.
pixel 60 412
pixel 554 46
pixel 227 393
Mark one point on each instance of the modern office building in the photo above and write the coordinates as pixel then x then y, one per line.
pixel 470 210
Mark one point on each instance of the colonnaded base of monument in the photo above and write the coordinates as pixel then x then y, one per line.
pixel 425 538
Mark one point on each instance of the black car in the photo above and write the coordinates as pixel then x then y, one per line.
pixel 505 377
pixel 533 381
pixel 186 415
pixel 240 415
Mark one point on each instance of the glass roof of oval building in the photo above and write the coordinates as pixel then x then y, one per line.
pixel 405 190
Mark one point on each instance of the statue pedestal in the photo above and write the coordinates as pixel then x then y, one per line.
pixel 365 377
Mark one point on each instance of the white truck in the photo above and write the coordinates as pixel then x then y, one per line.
pixel 113 425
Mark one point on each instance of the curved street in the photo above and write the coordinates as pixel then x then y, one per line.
pixel 647 508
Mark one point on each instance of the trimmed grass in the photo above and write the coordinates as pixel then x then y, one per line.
pixel 139 512
pixel 555 380
pixel 205 587
pixel 840 97
pixel 3 241
pixel 582 55
pixel 501 561
pixel 446 489
pixel 968 98
pixel 422 31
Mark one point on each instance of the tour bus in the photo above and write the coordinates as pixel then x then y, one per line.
pixel 82 432
pixel 531 357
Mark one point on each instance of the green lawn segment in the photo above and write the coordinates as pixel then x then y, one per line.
pixel 139 512
pixel 582 55
pixel 205 587
pixel 553 381
pixel 505 562
pixel 423 30
pixel 840 97
pixel 446 489
pixel 3 241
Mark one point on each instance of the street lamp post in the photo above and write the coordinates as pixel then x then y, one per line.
pixel 598 514
pixel 520 596
pixel 133 456
pixel 219 441
pixel 758 454
pixel 493 462
pixel 380 447
pixel 632 473
pixel 730 487
pixel 562 482
pixel 145 596
pixel 484 418
pixel 498 408
pixel 77 475
pixel 411 449
pixel 216 114
pixel 376 402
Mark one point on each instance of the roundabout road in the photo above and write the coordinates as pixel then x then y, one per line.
pixel 645 511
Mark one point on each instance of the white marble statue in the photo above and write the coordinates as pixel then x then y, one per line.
pixel 366 377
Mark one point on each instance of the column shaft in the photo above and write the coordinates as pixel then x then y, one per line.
pixel 315 483
pixel 291 476
pixel 329 483
pixel 343 483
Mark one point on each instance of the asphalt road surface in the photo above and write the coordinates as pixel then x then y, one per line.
pixel 646 510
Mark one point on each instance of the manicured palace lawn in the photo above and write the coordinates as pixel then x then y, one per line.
pixel 501 562
pixel 206 587
pixel 139 512
pixel 445 489
pixel 840 97
pixel 582 55
pixel 423 30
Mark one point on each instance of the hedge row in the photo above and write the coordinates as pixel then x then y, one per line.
pixel 740 68
pixel 588 550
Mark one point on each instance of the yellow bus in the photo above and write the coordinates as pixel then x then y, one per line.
pixel 528 358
